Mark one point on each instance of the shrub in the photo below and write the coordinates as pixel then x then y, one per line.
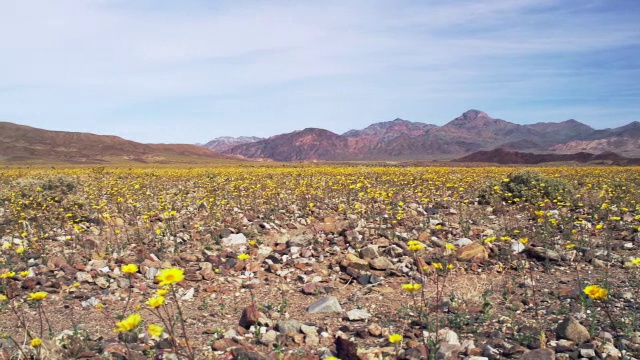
pixel 526 185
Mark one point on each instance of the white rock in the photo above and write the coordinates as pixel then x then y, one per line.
pixel 189 294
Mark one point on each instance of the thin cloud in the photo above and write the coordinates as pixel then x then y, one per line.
pixel 260 68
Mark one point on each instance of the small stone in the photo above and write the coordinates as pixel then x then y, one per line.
pixel 234 239
pixel 380 263
pixel 328 304
pixel 208 274
pixel 517 247
pixel 539 354
pixel 151 273
pixel 462 242
pixel 102 282
pixel 250 316
pixel 374 329
pixel 189 294
pixel 82 276
pixel 223 344
pixel 473 252
pixel 288 326
pixel 541 253
pixel 309 330
pixel 448 351
pixel 268 337
pixel 369 252
pixel 358 314
pixel 123 283
pixel 572 330
pixel 353 261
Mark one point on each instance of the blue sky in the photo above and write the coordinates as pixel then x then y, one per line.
pixel 189 71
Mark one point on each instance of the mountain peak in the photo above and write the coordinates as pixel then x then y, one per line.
pixel 473 119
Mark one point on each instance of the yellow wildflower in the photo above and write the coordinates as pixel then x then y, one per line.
pixel 155 301
pixel 35 342
pixel 25 273
pixel 129 323
pixel 414 245
pixel 3 297
pixel 37 296
pixel 162 292
pixel 155 330
pixel 7 275
pixel 636 261
pixel 243 256
pixel 450 246
pixel 19 250
pixel 437 266
pixel 596 292
pixel 411 287
pixel 129 268
pixel 395 338
pixel 170 276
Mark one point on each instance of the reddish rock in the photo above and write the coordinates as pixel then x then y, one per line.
pixel 250 316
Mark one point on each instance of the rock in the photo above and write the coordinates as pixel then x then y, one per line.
pixel 374 329
pixel 223 344
pixel 380 263
pixel 208 274
pixel 189 294
pixel 309 330
pixel 611 350
pixel 327 304
pixel 288 326
pixel 517 247
pixel 353 261
pixel 234 239
pixel 449 336
pixel 268 337
pixel 539 354
pixel 572 330
pixel 151 273
pixel 102 282
pixel 369 252
pixel 250 316
pixel 346 349
pixel 462 242
pixel 473 252
pixel 541 253
pixel 123 283
pixel 358 314
pixel 448 351
pixel 82 276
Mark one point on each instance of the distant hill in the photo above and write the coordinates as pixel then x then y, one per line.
pixel 402 140
pixel 25 143
pixel 224 143
pixel 504 156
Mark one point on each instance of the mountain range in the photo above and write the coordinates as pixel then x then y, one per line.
pixel 403 140
pixel 473 137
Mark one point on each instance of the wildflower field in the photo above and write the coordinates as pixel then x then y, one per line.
pixel 320 262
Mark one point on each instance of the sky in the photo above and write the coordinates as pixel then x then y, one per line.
pixel 187 71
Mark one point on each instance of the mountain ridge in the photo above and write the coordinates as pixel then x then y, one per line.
pixel 20 143
pixel 399 139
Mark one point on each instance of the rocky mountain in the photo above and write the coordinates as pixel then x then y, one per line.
pixel 404 140
pixel 224 143
pixel 25 143
pixel 389 130
pixel 307 144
